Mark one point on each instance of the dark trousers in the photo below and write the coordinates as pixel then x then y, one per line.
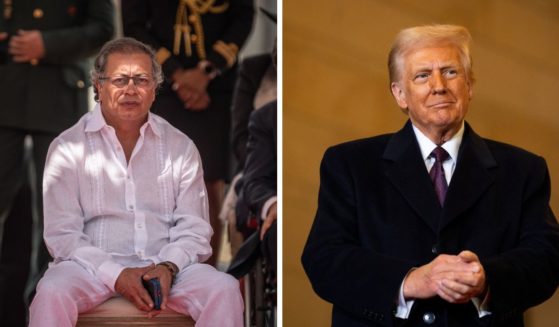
pixel 270 247
pixel 23 255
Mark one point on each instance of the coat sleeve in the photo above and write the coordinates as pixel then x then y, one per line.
pixel 260 169
pixel 341 270
pixel 251 71
pixel 527 274
pixel 82 40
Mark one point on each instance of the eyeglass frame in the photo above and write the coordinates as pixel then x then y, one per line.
pixel 135 80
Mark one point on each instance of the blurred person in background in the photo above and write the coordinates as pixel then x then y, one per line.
pixel 44 47
pixel 260 177
pixel 255 87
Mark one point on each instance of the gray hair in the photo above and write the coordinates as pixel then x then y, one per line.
pixel 124 45
pixel 413 38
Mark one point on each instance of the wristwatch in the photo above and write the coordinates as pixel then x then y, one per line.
pixel 171 267
pixel 209 69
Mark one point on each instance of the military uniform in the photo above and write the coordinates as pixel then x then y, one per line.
pixel 184 33
pixel 42 97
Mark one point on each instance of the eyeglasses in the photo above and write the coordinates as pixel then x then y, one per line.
pixel 124 80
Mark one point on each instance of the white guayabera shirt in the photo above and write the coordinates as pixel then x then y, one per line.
pixel 106 214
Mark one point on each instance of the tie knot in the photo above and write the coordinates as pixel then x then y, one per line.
pixel 439 154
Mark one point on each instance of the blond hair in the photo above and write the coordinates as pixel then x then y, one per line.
pixel 413 38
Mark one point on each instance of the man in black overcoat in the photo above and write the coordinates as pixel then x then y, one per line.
pixel 432 225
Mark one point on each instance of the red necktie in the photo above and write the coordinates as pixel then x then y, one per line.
pixel 437 173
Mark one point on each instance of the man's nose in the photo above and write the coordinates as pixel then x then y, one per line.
pixel 438 83
pixel 131 86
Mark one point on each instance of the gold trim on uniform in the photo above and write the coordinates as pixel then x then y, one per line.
pixel 162 55
pixel 182 29
pixel 189 13
pixel 228 51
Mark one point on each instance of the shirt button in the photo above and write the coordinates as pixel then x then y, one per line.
pixel 131 207
pixel 141 253
pixel 139 226
pixel 429 318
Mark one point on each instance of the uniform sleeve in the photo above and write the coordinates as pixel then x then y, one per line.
pixel 64 218
pixel 191 232
pixel 223 53
pixel 80 41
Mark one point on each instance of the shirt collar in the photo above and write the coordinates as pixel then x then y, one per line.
pixel 451 146
pixel 96 122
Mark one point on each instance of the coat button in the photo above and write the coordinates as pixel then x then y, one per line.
pixel 38 13
pixel 435 249
pixel 429 318
pixel 80 84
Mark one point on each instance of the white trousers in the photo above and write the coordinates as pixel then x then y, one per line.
pixel 210 297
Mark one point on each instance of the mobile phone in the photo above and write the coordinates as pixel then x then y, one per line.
pixel 154 289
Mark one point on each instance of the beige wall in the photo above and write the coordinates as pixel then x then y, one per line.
pixel 336 89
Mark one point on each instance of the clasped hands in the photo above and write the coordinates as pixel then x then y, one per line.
pixel 25 46
pixel 190 86
pixel 129 285
pixel 455 278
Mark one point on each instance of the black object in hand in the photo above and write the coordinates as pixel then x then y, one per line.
pixel 154 289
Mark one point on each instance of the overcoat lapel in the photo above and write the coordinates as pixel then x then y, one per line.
pixel 474 173
pixel 406 170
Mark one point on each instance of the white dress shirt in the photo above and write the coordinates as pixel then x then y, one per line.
pixel 426 146
pixel 107 214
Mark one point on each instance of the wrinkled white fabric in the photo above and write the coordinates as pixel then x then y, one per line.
pixel 210 297
pixel 107 214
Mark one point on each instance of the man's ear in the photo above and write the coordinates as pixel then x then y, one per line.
pixel 399 95
pixel 97 86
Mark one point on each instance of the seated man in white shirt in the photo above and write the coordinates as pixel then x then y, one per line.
pixel 124 200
